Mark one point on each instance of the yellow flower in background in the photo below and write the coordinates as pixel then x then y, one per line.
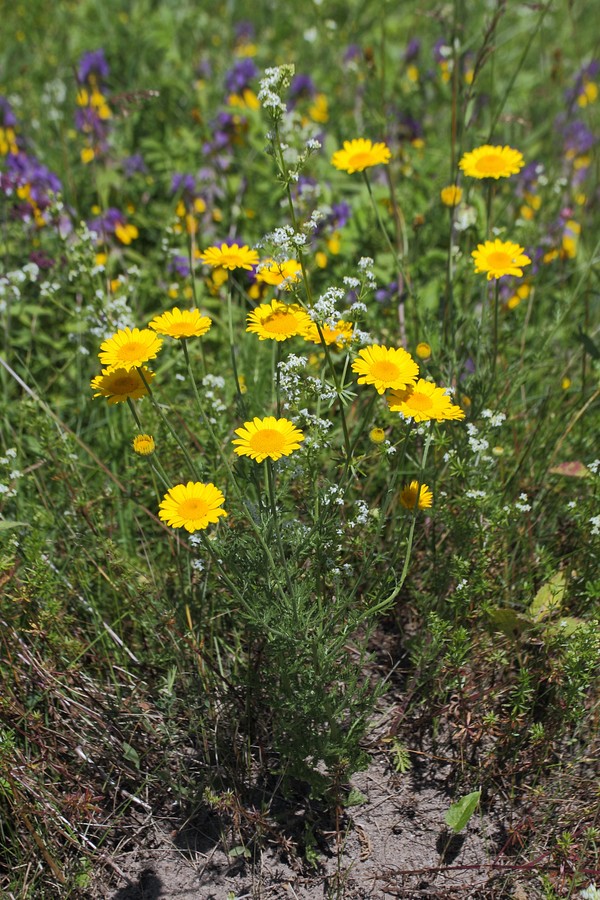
pixel 144 444
pixel 119 385
pixel 319 111
pixel 193 506
pixel 126 233
pixel 423 351
pixel 498 258
pixel 277 321
pixel 87 155
pixel 360 154
pixel 180 324
pixel 267 438
pixel 424 402
pixel 377 435
pixel 276 273
pixel 589 93
pixel 521 293
pixel 234 257
pixel 451 195
pixel 492 162
pixel 385 367
pixel 129 348
pixel 339 334
pixel 413 494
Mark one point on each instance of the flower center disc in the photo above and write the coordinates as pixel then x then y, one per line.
pixel 499 260
pixel 194 508
pixel 182 328
pixel 230 259
pixel 491 164
pixel 268 440
pixel 419 401
pixel 384 370
pixel 280 323
pixel 359 160
pixel 131 351
pixel 123 385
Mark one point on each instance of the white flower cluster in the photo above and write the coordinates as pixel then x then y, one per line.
pixel 496 419
pixel 284 240
pixel 477 444
pixel 594 467
pixel 10 284
pixel 212 384
pixel 365 266
pixel 290 380
pixel 325 310
pixel 362 514
pixel 595 523
pixel 9 490
pixel 272 88
pixel 522 503
pixel 334 494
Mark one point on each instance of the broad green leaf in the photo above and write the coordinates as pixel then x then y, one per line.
pixel 460 812
pixel 566 625
pixel 549 597
pixel 573 469
pixel 131 754
pixel 508 621
pixel 7 524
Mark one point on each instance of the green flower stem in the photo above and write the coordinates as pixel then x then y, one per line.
pixel 401 270
pixel 239 494
pixel 277 361
pixel 273 502
pixel 365 420
pixel 384 510
pixel 153 460
pixel 219 566
pixel 231 341
pixel 195 474
pixel 328 356
pixel 495 328
pixel 489 197
pixel 191 248
pixel 411 533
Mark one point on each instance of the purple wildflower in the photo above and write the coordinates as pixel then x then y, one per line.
pixel 92 63
pixel 133 164
pixel 7 116
pixel 238 78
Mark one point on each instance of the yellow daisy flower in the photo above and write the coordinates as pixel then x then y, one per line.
pixel 360 154
pixel 424 402
pixel 451 195
pixel 193 506
pixel 413 494
pixel 277 321
pixel 119 385
pixel 340 334
pixel 499 258
pixel 423 350
pixel 385 367
pixel 144 444
pixel 492 162
pixel 275 273
pixel 129 348
pixel 234 257
pixel 267 438
pixel 181 323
